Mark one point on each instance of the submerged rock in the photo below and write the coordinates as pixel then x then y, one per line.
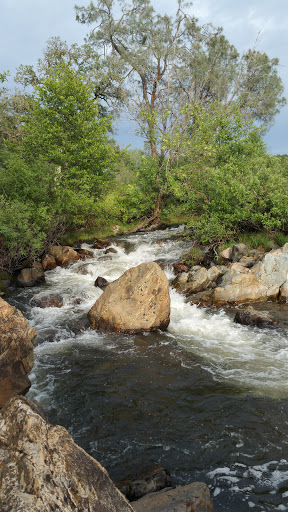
pixel 138 301
pixel 101 243
pixel 188 498
pixel 249 316
pixel 16 352
pixel 42 469
pixel 48 301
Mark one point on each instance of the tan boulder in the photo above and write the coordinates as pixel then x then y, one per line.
pixel 49 262
pixel 191 497
pixel 63 255
pixel 30 277
pixel 138 301
pixel 227 253
pixel 43 470
pixel 247 289
pixel 16 352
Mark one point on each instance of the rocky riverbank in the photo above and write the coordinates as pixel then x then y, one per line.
pixel 41 466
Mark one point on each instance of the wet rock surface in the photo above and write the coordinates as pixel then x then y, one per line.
pixel 150 479
pixel 16 352
pixel 101 282
pixel 250 316
pixel 30 277
pixel 63 254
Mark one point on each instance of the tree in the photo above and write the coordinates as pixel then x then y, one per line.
pixel 164 65
pixel 226 177
pixel 64 127
pixel 52 177
pixel 12 106
pixel 84 60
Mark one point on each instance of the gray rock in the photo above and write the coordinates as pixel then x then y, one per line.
pixel 238 250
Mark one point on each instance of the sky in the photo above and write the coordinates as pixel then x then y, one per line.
pixel 26 25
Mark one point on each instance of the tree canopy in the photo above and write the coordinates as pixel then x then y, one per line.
pixel 164 64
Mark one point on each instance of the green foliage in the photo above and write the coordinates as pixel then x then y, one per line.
pixel 193 257
pixel 281 239
pixel 30 207
pixel 52 178
pixel 165 66
pixel 64 126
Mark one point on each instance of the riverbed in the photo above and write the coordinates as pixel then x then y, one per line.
pixel 208 399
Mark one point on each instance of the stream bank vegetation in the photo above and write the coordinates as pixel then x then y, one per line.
pixel 201 107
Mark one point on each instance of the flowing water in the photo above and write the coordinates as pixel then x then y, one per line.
pixel 207 399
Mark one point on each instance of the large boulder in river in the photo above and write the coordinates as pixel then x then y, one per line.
pixel 16 352
pixel 43 470
pixel 138 301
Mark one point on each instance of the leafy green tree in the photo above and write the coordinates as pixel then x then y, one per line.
pixel 52 177
pixel 165 65
pixel 226 177
pixel 64 127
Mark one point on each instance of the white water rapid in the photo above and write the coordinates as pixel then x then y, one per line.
pixel 220 387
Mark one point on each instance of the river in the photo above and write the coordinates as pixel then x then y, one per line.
pixel 208 399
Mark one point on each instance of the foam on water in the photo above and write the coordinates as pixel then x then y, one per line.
pixel 250 357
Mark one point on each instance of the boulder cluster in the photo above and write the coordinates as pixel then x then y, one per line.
pixel 253 277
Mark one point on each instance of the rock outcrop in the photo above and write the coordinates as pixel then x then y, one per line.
pixel 197 279
pixel 188 498
pixel 263 281
pixel 239 285
pixel 138 301
pixel 16 352
pixel 43 470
